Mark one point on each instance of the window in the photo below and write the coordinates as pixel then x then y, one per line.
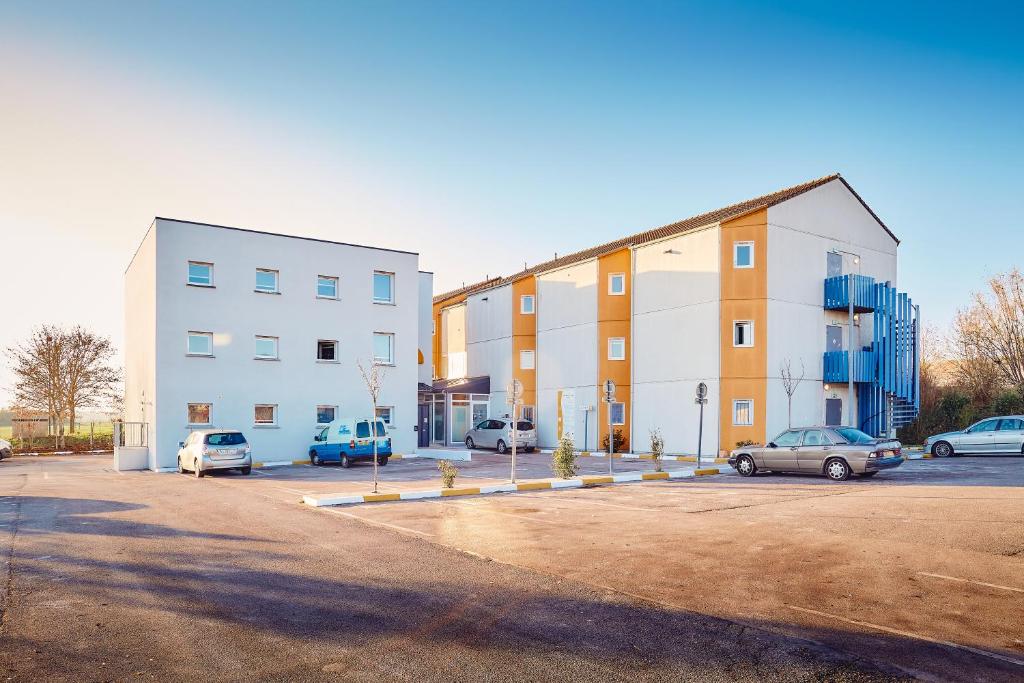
pixel 526 413
pixel 833 264
pixel 266 281
pixel 325 414
pixel 200 344
pixel 266 348
pixel 265 414
pixel 743 412
pixel 1010 425
pixel 225 439
pixel 383 287
pixel 200 274
pixel 384 348
pixel 743 333
pixel 617 284
pixel 527 360
pixel 327 350
pixel 816 437
pixel 526 304
pixel 199 413
pixel 986 426
pixel 833 338
pixel 616 348
pixel 618 413
pixel 743 254
pixel 384 414
pixel 363 429
pixel 326 287
pixel 788 439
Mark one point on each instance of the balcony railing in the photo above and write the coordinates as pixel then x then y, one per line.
pixel 837 366
pixel 837 293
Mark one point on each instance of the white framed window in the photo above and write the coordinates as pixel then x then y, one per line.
pixel 386 414
pixel 526 413
pixel 527 304
pixel 265 348
pixel 326 287
pixel 384 348
pixel 199 414
pixel 743 333
pixel 265 415
pixel 325 414
pixel 618 413
pixel 743 412
pixel 383 287
pixel 616 348
pixel 327 350
pixel 617 284
pixel 743 254
pixel 527 360
pixel 200 343
pixel 200 274
pixel 267 281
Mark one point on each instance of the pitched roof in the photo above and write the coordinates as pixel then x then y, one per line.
pixel 655 234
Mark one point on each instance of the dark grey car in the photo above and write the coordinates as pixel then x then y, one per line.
pixel 836 452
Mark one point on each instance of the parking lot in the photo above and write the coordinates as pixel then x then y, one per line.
pixel 917 572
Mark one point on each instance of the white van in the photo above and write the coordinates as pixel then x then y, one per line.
pixel 348 439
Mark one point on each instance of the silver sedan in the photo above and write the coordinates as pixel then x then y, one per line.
pixel 991 435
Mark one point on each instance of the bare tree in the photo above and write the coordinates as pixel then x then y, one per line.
pixel 60 370
pixel 988 336
pixel 373 378
pixel 789 385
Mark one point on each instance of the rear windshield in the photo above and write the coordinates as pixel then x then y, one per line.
pixel 853 436
pixel 226 439
pixel 363 430
pixel 524 426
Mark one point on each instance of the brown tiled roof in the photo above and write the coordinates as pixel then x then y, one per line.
pixel 655 234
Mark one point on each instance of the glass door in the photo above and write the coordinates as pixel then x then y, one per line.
pixel 460 422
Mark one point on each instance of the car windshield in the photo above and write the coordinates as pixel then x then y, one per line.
pixel 524 426
pixel 853 435
pixel 225 439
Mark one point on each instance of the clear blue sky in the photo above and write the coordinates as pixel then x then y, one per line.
pixel 459 129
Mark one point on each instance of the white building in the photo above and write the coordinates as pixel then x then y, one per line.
pixel 261 332
pixel 727 298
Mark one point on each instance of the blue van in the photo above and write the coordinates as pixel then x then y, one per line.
pixel 347 439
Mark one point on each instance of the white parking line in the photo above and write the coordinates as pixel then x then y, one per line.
pixel 907 634
pixel 372 522
pixel 979 583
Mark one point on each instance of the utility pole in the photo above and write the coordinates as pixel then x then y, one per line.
pixel 702 398
pixel 609 398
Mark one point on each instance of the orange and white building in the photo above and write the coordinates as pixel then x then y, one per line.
pixel 728 298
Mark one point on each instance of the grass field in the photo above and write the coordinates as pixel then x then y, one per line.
pixel 101 429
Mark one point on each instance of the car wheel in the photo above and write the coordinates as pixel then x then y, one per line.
pixel 868 475
pixel 198 471
pixel 836 469
pixel 943 449
pixel 530 450
pixel 383 460
pixel 745 466
pixel 345 462
pixel 247 470
pixel 181 470
pixel 502 448
pixel 469 442
pixel 315 459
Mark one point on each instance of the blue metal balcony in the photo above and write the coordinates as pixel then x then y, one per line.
pixel 837 366
pixel 837 293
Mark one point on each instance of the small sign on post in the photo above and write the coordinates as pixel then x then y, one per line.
pixel 702 398
pixel 609 398
pixel 515 398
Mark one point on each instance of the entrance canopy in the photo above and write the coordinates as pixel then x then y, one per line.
pixel 463 385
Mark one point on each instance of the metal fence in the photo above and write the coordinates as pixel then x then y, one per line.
pixel 131 434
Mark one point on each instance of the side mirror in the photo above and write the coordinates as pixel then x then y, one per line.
pixel 181 444
pixel 771 444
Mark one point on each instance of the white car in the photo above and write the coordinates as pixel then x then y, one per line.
pixel 214 449
pixel 498 434
pixel 5 449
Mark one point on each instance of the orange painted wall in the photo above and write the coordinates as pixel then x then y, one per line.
pixel 524 337
pixel 613 320
pixel 744 294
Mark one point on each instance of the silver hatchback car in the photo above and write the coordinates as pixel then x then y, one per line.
pixel 991 435
pixel 214 449
pixel 836 452
pixel 498 434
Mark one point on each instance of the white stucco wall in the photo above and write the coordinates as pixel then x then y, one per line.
pixel 567 349
pixel 425 323
pixel 140 359
pixel 489 341
pixel 233 381
pixel 676 340
pixel 801 231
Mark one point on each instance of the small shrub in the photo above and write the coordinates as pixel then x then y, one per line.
pixel 563 460
pixel 657 448
pixel 621 443
pixel 448 473
pixel 745 442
